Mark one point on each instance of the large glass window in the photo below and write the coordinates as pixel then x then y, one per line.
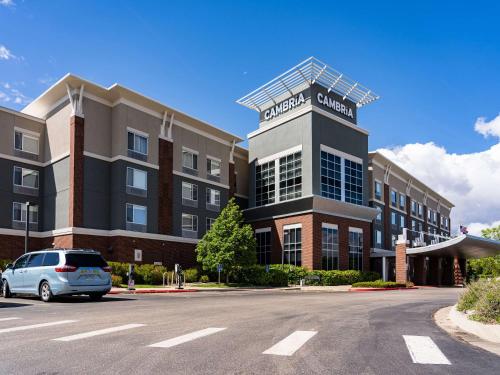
pixel 263 239
pixel 25 177
pixel 378 190
pixel 26 142
pixel 330 248
pixel 136 214
pixel 353 182
pixel 213 167
pixel 413 207
pixel 394 198
pixel 355 249
pixel 264 183
pixel 331 180
pixel 189 159
pixel 137 143
pixel 137 178
pixel 19 213
pixel 291 176
pixel 213 198
pixel 189 222
pixel 402 201
pixel 292 246
pixel 393 219
pixel 189 191
pixel 378 239
pixel 402 221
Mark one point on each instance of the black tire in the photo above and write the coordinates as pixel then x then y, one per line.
pixel 5 289
pixel 95 296
pixel 45 292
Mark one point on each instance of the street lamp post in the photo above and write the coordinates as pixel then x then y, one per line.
pixel 27 235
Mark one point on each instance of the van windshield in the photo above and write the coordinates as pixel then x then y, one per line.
pixel 85 260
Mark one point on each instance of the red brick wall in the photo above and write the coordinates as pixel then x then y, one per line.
pixel 401 267
pixel 166 186
pixel 232 181
pixel 77 133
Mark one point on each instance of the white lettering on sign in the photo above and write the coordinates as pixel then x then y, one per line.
pixel 335 105
pixel 284 106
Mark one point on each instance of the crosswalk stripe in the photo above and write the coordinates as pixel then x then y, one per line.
pixel 185 338
pixel 5 319
pixel 291 343
pixel 33 326
pixel 99 332
pixel 423 350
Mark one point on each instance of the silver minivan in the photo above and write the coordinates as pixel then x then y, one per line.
pixel 56 272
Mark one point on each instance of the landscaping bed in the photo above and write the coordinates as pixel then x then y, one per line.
pixel 381 285
pixel 481 301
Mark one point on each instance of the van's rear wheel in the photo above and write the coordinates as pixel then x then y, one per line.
pixel 45 292
pixel 95 296
pixel 5 289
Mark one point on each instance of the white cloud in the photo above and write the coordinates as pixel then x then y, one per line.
pixel 476 228
pixel 470 181
pixel 7 3
pixel 46 80
pixel 5 54
pixel 487 128
pixel 10 94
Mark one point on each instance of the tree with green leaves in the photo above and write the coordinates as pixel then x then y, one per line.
pixel 491 233
pixel 229 242
pixel 487 266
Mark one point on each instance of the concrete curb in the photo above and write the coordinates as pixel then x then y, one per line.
pixel 151 291
pixel 488 332
pixel 379 289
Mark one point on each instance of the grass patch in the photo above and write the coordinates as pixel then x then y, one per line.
pixel 482 298
pixel 381 284
pixel 142 286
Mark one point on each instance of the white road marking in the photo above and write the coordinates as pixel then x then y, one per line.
pixel 185 338
pixel 33 326
pixel 5 319
pixel 291 343
pixel 98 332
pixel 423 350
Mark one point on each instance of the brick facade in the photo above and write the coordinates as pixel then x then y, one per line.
pixel 77 134
pixel 232 180
pixel 166 185
pixel 401 264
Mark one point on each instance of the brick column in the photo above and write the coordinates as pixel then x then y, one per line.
pixel 401 265
pixel 387 218
pixel 232 180
pixel 165 185
pixel 77 133
pixel 457 272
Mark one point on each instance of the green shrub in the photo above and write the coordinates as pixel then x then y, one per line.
pixel 149 274
pixel 256 275
pixel 3 263
pixel 119 269
pixel 116 280
pixel 483 267
pixel 191 275
pixel 380 284
pixel 482 297
pixel 469 298
pixel 204 279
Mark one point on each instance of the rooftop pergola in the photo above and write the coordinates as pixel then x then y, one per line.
pixel 309 72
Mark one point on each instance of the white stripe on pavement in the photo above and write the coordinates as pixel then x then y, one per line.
pixel 423 350
pixel 185 338
pixel 33 326
pixel 5 319
pixel 291 343
pixel 98 332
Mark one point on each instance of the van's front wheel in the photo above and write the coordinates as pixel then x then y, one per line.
pixel 45 292
pixel 5 289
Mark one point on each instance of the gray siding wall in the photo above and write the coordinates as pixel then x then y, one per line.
pixel 56 195
pixel 96 193
pixel 200 211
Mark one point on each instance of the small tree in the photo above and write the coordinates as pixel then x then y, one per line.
pixel 229 242
pixel 491 233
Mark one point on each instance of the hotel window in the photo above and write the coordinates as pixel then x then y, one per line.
pixel 263 238
pixel 393 219
pixel 137 179
pixel 136 214
pixel 401 221
pixel 264 183
pixel 213 199
pixel 429 215
pixel 413 207
pixel 330 247
pixel 355 249
pixel 353 182
pixel 292 245
pixel 420 210
pixel 213 167
pixel 189 194
pixel 402 201
pixel 378 190
pixel 189 159
pixel 25 177
pixel 209 222
pixel 26 142
pixel 331 176
pixel 291 176
pixel 379 217
pixel 189 225
pixel 378 239
pixel 413 225
pixel 394 198
pixel 137 143
pixel 19 213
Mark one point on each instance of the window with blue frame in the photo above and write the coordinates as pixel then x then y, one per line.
pixel 331 176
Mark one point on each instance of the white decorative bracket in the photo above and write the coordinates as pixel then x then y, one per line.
pixel 76 106
pixel 162 129
pixel 424 200
pixel 439 206
pixel 408 187
pixel 387 173
pixel 169 132
pixel 231 153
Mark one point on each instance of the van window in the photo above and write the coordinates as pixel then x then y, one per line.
pixel 85 260
pixel 51 259
pixel 35 260
pixel 21 262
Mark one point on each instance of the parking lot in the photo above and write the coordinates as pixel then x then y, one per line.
pixel 242 332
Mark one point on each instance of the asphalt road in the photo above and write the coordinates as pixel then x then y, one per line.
pixel 339 333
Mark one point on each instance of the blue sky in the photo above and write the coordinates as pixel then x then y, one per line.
pixel 436 65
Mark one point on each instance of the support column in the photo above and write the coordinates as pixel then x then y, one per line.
pixel 166 185
pixel 457 272
pixel 384 268
pixel 387 219
pixel 401 262
pixel 77 132
pixel 232 180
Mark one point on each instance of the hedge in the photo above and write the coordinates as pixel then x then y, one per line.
pixel 483 299
pixel 381 284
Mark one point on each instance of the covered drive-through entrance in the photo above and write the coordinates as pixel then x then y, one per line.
pixel 443 263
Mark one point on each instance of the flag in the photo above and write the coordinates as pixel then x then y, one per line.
pixel 463 229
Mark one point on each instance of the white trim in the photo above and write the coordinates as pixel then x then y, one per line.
pixel 196 178
pixel 356 230
pixel 329 226
pixel 190 150
pixel 27 132
pixel 278 155
pixel 292 226
pixel 20 114
pixel 262 230
pixel 214 158
pixel 165 138
pixel 329 213
pixel 341 154
pixel 138 132
pixel 121 157
pixel 377 201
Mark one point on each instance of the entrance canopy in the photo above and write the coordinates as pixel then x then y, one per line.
pixel 464 246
